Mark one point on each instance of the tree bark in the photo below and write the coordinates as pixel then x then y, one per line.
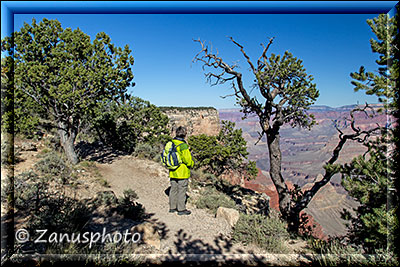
pixel 275 157
pixel 67 139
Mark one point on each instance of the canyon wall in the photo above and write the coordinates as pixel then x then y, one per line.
pixel 198 120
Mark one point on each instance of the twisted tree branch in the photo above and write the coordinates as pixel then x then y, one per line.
pixel 357 135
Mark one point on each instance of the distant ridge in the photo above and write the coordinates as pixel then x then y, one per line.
pixel 166 108
pixel 317 108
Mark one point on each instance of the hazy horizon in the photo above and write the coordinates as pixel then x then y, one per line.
pixel 236 107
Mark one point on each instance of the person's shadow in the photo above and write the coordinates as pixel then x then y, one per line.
pixel 166 191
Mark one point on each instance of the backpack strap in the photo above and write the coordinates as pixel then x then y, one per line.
pixel 183 142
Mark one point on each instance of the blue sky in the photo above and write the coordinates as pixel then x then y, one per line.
pixel 331 46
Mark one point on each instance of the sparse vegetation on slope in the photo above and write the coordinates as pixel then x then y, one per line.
pixel 212 199
pixel 47 197
pixel 266 232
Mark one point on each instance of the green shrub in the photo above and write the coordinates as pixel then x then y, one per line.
pixel 331 246
pixel 129 207
pixel 87 164
pixel 212 199
pixel 47 207
pixel 198 177
pixel 147 151
pixel 106 198
pixel 46 203
pixel 337 251
pixel 54 166
pixel 268 233
pixel 41 196
pixel 103 182
pixel 227 151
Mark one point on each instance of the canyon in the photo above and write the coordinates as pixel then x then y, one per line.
pixel 199 120
pixel 304 152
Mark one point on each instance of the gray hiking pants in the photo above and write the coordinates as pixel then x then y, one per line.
pixel 177 194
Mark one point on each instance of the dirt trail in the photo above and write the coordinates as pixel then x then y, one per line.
pixel 200 236
pixel 197 233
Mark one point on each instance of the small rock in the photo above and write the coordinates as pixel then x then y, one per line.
pixel 230 215
pixel 149 234
pixel 27 146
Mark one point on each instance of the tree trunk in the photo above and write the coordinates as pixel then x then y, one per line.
pixel 67 139
pixel 275 157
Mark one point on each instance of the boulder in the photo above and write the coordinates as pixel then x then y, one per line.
pixel 230 215
pixel 248 201
pixel 149 234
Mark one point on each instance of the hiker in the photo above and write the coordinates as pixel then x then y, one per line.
pixel 179 178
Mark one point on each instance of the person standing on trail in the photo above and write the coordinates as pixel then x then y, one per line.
pixel 179 178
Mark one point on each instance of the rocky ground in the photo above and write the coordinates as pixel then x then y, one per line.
pixel 197 237
pixel 200 234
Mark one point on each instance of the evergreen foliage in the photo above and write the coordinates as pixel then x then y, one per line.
pixel 383 84
pixel 19 115
pixel 370 182
pixel 299 94
pixel 126 125
pixel 225 152
pixel 371 179
pixel 66 74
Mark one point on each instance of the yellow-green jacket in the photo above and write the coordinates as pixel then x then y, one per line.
pixel 183 171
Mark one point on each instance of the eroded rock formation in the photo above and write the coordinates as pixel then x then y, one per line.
pixel 199 120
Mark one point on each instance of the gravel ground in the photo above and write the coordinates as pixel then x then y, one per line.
pixel 199 232
pixel 197 237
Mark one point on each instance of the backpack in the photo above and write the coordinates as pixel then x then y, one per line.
pixel 170 157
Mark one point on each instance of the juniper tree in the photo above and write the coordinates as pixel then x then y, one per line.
pixel 225 152
pixel 66 73
pixel 125 125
